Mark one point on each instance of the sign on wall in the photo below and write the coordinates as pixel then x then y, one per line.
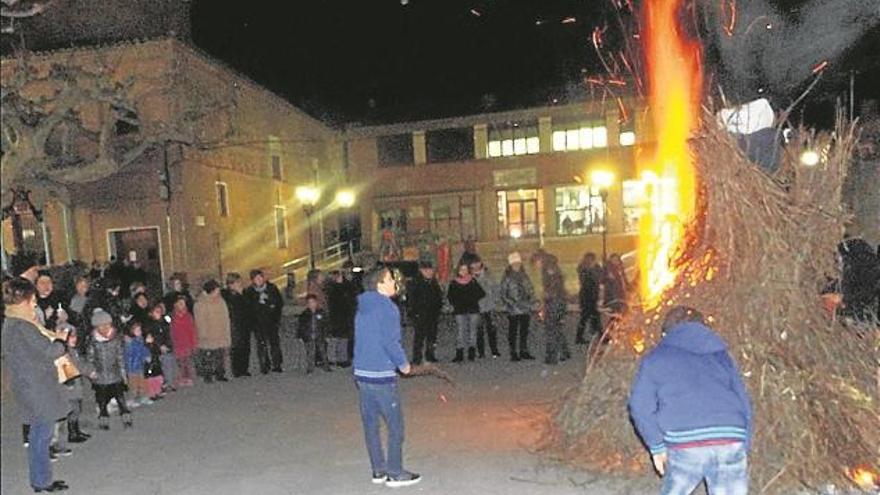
pixel 515 177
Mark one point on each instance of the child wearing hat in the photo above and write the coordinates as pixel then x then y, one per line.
pixel 106 355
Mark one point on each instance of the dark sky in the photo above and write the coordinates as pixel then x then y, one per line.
pixel 379 60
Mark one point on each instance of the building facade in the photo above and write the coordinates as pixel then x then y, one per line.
pixel 518 180
pixel 225 204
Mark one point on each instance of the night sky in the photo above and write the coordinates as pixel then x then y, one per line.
pixel 379 60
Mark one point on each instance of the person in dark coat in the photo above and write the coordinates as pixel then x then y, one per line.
pixel 464 294
pixel 49 301
pixel 553 309
pixel 425 298
pixel 518 299
pixel 590 276
pixel 311 328
pixel 178 288
pixel 29 353
pixel 159 327
pixel 615 286
pixel 237 305
pixel 264 306
pixel 341 304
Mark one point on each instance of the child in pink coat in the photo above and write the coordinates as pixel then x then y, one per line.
pixel 183 339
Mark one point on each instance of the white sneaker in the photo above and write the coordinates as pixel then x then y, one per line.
pixel 146 401
pixel 379 478
pixel 405 479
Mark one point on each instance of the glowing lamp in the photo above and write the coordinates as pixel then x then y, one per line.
pixel 810 158
pixel 515 233
pixel 345 198
pixel 602 178
pixel 308 195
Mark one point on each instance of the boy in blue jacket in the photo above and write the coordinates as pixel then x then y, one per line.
pixel 378 356
pixel 691 409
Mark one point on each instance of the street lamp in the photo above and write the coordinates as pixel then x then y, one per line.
pixel 345 198
pixel 603 180
pixel 308 196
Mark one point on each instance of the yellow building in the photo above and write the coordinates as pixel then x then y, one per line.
pixel 516 180
pixel 228 206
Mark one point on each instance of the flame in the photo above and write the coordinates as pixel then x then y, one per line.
pixel 675 80
pixel 864 478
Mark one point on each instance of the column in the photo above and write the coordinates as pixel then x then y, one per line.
pixel 481 141
pixel 545 134
pixel 420 154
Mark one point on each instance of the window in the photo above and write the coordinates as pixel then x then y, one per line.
pixel 281 226
pixel 449 145
pixel 222 199
pixel 513 138
pixel 395 150
pixel 519 213
pixel 627 138
pixel 638 194
pixel 276 167
pixel 579 210
pixel 579 136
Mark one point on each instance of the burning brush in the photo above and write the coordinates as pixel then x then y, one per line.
pixel 430 369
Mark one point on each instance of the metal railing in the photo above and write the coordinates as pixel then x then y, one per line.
pixel 328 258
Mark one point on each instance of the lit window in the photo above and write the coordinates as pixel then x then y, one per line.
pixel 494 149
pixel 533 145
pixel 513 138
pixel 558 140
pixel 627 138
pixel 507 147
pixel 578 136
pixel 579 210
pixel 520 213
pixel 222 199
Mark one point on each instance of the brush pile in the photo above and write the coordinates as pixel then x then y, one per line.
pixel 755 260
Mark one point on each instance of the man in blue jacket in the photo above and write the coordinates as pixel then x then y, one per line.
pixel 378 356
pixel 691 409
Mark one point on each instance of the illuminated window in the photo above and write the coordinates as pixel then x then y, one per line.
pixel 627 138
pixel 520 213
pixel 222 199
pixel 579 136
pixel 281 226
pixel 513 138
pixel 579 210
pixel 637 195
pixel 275 166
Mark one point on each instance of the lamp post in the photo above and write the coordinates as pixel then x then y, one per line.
pixel 308 196
pixel 346 198
pixel 603 180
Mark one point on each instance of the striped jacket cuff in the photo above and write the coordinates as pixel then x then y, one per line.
pixel 703 434
pixel 657 449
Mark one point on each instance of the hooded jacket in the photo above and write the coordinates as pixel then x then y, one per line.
pixel 517 293
pixel 688 390
pixel 107 356
pixel 377 350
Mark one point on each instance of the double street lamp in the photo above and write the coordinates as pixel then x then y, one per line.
pixel 603 179
pixel 308 196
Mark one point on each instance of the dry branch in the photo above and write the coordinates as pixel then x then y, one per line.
pixel 754 260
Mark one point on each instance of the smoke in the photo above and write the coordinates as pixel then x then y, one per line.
pixel 775 53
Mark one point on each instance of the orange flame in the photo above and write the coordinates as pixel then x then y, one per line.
pixel 864 478
pixel 675 79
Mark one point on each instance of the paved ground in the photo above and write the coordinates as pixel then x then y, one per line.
pixel 297 434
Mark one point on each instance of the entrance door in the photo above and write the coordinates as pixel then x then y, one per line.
pixel 140 246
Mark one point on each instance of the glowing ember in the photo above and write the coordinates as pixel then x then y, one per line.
pixel 864 478
pixel 675 81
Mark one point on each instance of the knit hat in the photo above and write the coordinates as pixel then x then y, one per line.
pixel 514 257
pixel 101 317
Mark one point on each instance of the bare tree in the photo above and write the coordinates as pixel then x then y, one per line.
pixel 13 10
pixel 68 124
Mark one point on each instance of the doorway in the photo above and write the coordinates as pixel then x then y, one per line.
pixel 139 247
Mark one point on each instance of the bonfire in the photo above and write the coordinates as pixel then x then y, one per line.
pixel 752 250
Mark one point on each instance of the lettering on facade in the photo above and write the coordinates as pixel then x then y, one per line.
pixel 514 177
